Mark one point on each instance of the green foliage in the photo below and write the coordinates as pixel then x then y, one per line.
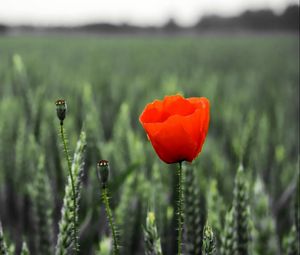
pixel 3 248
pixel 66 226
pixel 25 250
pixel 107 81
pixel 151 237
pixel 194 213
pixel 241 221
pixel 209 246
pixel 291 243
pixel 43 204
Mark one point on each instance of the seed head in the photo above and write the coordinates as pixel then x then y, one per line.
pixel 61 109
pixel 103 171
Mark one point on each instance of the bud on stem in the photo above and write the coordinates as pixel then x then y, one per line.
pixel 61 109
pixel 103 172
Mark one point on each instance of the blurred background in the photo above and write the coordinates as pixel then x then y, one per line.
pixel 143 17
pixel 108 59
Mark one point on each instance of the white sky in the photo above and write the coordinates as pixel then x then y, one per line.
pixel 141 12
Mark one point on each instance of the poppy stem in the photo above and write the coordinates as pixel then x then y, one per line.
pixel 179 208
pixel 110 219
pixel 63 138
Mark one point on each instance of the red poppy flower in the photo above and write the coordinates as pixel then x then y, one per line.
pixel 176 127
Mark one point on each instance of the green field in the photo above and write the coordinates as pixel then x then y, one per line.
pixel 252 83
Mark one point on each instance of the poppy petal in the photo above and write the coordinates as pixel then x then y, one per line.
pixel 177 105
pixel 172 143
pixel 176 127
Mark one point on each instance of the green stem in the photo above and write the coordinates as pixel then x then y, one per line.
pixel 110 219
pixel 76 248
pixel 179 208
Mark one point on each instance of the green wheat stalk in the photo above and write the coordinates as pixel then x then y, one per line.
pixel 209 243
pixel 291 243
pixel 264 227
pixel 241 214
pixel 297 210
pixel 195 213
pixel 67 226
pixel 124 211
pixel 66 151
pixel 151 237
pixel 25 250
pixel 42 207
pixel 3 247
pixel 215 208
pixel 61 110
pixel 227 247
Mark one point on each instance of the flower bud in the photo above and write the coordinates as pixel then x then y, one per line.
pixel 61 109
pixel 103 172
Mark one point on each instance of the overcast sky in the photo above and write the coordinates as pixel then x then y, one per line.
pixel 141 12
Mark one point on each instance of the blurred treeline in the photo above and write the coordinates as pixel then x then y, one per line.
pixel 252 83
pixel 261 20
pixel 248 21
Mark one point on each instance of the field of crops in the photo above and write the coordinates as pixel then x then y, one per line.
pixel 252 83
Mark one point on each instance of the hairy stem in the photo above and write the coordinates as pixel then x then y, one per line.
pixel 63 138
pixel 110 219
pixel 179 208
